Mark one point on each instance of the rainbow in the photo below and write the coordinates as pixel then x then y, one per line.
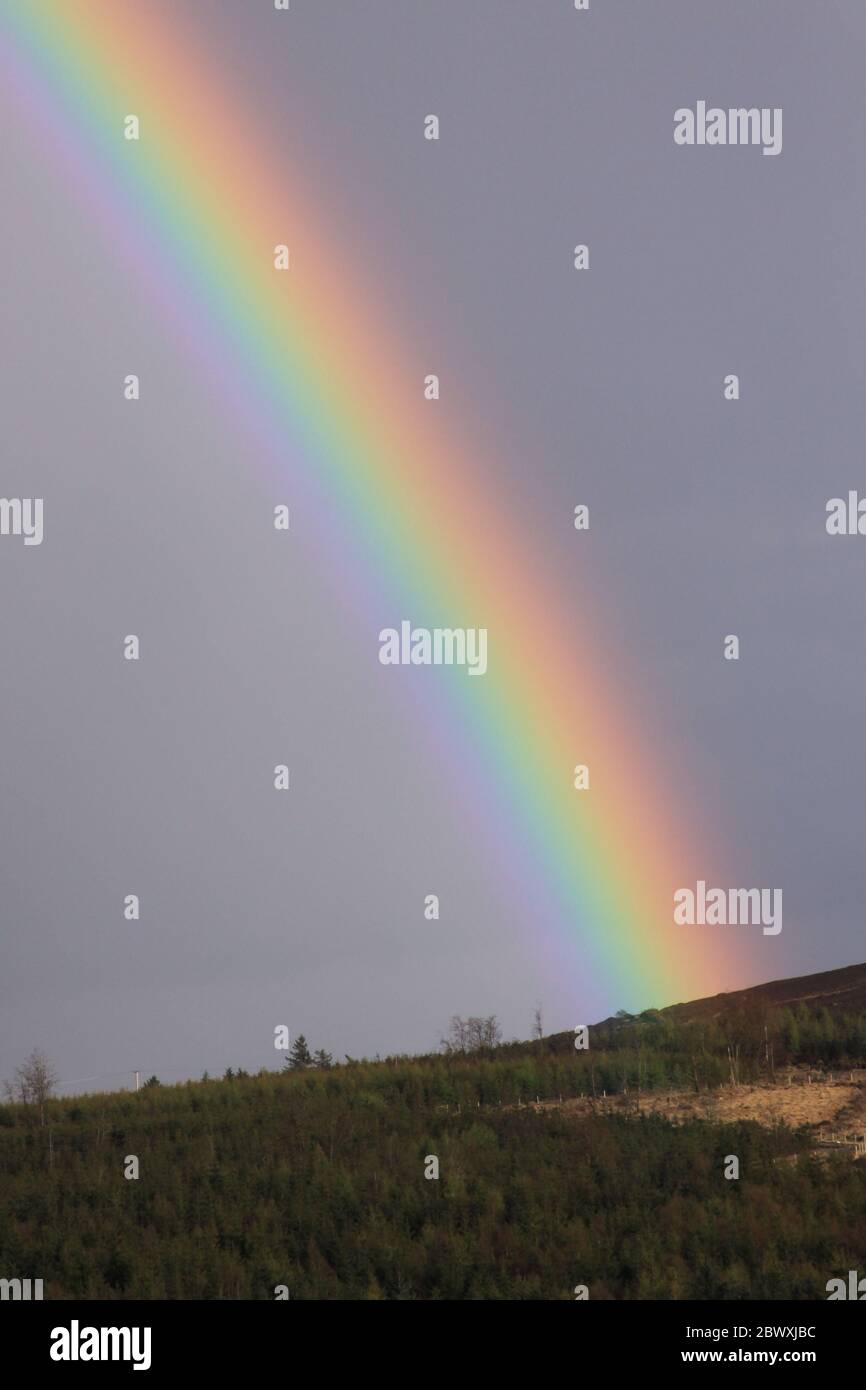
pixel 408 520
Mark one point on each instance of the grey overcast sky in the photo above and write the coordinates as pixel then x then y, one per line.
pixel 557 128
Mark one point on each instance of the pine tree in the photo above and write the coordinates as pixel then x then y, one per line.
pixel 300 1054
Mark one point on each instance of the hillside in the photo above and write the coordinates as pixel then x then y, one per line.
pixel 316 1182
pixel 513 1172
pixel 837 990
pixel 840 992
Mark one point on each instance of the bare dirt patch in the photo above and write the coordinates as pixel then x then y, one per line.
pixel 822 1105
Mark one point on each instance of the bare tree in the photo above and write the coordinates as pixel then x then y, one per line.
pixel 457 1039
pixel 34 1081
pixel 472 1034
pixel 538 1022
pixel 12 1090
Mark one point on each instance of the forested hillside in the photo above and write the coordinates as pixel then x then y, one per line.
pixel 315 1180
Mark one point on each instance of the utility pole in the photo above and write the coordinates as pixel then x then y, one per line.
pixel 137 1076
